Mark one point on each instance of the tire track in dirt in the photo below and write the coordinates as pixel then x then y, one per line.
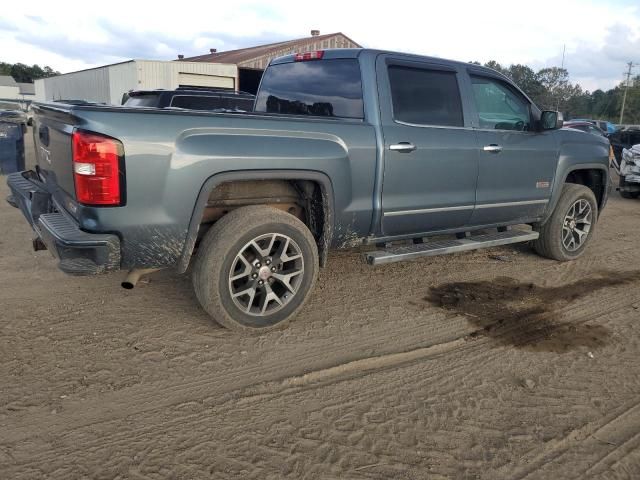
pixel 621 425
pixel 188 391
pixel 252 394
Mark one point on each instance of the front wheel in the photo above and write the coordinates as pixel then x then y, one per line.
pixel 255 268
pixel 566 234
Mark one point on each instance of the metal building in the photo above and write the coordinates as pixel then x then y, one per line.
pixel 109 83
pixel 252 61
pixel 12 90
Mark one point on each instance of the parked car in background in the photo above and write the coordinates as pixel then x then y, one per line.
pixel 584 126
pixel 603 125
pixel 14 113
pixel 625 137
pixel 344 147
pixel 628 170
pixel 191 98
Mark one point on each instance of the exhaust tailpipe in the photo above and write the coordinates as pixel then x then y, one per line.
pixel 134 275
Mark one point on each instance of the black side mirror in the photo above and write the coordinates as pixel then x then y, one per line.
pixel 551 120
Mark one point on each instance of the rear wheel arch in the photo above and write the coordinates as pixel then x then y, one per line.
pixel 322 209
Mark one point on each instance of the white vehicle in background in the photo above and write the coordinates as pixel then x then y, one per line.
pixel 629 172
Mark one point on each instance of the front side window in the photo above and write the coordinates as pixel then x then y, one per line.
pixel 499 107
pixel 425 97
pixel 324 88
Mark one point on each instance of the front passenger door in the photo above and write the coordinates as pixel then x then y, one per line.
pixel 516 163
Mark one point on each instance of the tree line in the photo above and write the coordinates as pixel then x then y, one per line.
pixel 26 74
pixel 551 89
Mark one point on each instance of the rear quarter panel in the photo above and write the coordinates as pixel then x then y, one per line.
pixel 169 157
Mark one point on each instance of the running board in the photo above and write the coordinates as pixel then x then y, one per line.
pixel 443 247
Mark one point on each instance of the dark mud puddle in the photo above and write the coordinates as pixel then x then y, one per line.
pixel 526 315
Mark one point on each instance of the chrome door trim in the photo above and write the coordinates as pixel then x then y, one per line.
pixel 464 207
pixel 511 204
pixel 427 210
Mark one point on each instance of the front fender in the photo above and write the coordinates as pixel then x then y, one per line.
pixel 578 151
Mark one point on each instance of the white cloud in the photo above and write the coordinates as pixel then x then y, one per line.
pixel 600 36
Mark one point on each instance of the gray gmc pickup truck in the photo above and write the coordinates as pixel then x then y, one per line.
pixel 343 148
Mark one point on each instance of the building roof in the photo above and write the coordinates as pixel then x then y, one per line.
pixel 244 55
pixel 27 88
pixel 7 81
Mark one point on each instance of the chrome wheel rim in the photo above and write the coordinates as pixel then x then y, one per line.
pixel 577 225
pixel 266 274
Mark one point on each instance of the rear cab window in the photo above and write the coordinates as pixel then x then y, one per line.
pixel 321 88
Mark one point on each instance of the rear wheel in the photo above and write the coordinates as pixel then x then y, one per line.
pixel 623 184
pixel 566 234
pixel 255 268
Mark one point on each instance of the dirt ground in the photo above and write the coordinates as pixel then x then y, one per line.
pixel 495 364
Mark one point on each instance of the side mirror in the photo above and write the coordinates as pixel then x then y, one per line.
pixel 551 120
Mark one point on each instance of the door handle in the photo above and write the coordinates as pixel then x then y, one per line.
pixel 493 148
pixel 402 147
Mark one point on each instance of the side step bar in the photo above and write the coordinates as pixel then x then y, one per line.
pixel 442 247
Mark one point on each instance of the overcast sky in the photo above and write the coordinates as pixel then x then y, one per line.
pixel 600 36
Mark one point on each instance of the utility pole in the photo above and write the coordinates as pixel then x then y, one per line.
pixel 564 48
pixel 626 89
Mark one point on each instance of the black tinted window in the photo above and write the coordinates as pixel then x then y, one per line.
pixel 204 102
pixel 330 88
pixel 425 97
pixel 142 101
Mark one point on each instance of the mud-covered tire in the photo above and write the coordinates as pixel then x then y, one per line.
pixel 231 238
pixel 550 244
pixel 628 195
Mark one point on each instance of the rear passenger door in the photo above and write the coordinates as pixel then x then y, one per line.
pixel 430 154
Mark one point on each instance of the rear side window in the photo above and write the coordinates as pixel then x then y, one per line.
pixel 325 88
pixel 425 97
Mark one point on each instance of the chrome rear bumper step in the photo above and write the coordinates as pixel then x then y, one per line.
pixel 443 247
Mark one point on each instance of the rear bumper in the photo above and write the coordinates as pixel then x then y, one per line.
pixel 78 252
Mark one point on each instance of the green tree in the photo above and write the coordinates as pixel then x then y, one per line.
pixel 25 73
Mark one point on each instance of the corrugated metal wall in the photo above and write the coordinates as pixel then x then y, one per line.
pixel 108 84
pixel 153 74
pixel 122 78
pixel 91 85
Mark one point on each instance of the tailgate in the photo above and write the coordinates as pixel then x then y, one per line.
pixel 52 129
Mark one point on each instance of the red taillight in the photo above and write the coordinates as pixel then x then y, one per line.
pixel 96 168
pixel 302 57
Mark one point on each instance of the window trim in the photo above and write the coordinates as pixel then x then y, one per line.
pixel 428 68
pixel 494 78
